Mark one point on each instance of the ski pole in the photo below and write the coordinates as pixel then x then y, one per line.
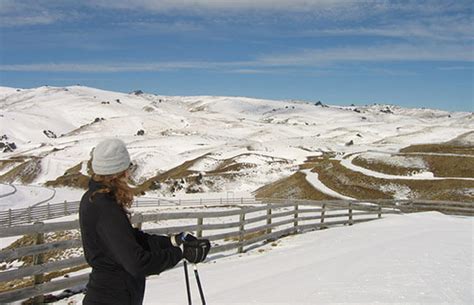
pixel 196 274
pixel 185 265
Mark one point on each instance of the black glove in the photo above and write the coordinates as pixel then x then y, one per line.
pixel 195 251
pixel 179 239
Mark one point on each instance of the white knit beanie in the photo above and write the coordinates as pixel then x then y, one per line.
pixel 110 157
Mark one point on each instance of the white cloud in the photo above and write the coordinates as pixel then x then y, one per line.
pixel 302 59
pixel 25 13
pixel 198 5
pixel 119 67
pixel 382 53
pixel 28 20
pixel 448 31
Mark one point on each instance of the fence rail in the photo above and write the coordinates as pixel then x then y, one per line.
pixel 234 229
pixel 13 217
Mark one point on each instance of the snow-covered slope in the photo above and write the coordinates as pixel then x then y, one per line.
pixel 62 125
pixel 423 258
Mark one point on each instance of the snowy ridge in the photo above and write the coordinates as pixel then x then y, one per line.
pixel 62 124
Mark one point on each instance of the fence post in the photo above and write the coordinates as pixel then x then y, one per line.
pixel 323 213
pixel 9 217
pixel 380 211
pixel 158 201
pixel 200 201
pixel 29 214
pixel 350 213
pixel 241 230
pixel 38 259
pixel 295 217
pixel 49 210
pixel 199 227
pixel 269 218
pixel 65 208
pixel 221 201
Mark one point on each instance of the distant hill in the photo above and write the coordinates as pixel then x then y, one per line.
pixel 212 143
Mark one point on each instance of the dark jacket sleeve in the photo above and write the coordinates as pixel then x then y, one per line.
pixel 142 238
pixel 152 241
pixel 118 236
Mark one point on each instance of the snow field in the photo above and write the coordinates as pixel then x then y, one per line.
pixel 424 258
pixel 178 129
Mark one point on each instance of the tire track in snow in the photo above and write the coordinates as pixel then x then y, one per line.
pixel 347 163
pixel 9 193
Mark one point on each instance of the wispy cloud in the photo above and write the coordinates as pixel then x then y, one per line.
pixel 382 53
pixel 119 67
pixel 443 31
pixel 302 59
pixel 456 68
pixel 201 6
pixel 29 13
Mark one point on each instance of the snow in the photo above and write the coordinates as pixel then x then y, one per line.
pixel 178 129
pixel 31 195
pixel 313 179
pixel 424 258
pixel 25 196
pixel 395 160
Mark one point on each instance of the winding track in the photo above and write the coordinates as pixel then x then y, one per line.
pixel 347 163
pixel 9 193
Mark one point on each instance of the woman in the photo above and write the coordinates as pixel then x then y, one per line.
pixel 122 256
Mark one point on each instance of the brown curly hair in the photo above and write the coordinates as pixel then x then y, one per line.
pixel 116 186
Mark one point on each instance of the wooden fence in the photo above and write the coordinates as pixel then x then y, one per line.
pixel 13 217
pixel 235 228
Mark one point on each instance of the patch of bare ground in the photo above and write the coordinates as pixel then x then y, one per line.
pixel 176 173
pixel 294 186
pixel 72 178
pixel 360 186
pixel 247 236
pixel 450 166
pixel 53 255
pixel 26 172
pixel 439 148
pixel 347 182
pixel 233 165
pixel 228 169
pixel 383 167
pixel 11 163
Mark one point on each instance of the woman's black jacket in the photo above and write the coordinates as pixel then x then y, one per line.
pixel 120 256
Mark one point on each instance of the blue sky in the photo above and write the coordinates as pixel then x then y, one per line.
pixel 410 53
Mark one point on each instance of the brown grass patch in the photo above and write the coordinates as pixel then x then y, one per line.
pixel 247 236
pixel 26 172
pixel 26 282
pixel 439 148
pixel 383 167
pixel 294 186
pixel 360 186
pixel 440 166
pixel 450 166
pixel 72 177
pixel 178 172
pixel 347 182
pixel 49 256
pixel 232 167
